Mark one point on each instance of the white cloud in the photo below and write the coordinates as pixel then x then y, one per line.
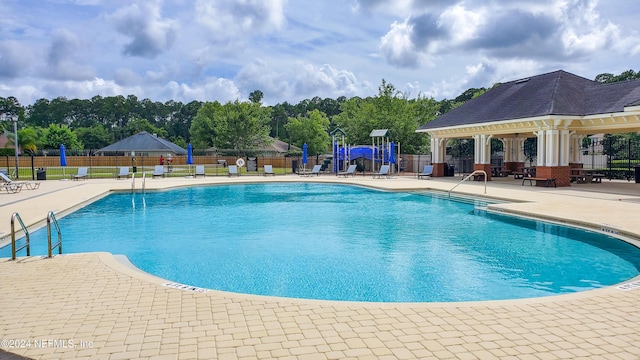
pixel 212 89
pixel 231 20
pixel 397 45
pixel 150 33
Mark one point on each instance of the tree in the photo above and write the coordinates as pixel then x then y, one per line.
pixel 207 125
pixel 388 110
pixel 256 97
pixel 239 127
pixel 95 137
pixel 55 135
pixel 312 130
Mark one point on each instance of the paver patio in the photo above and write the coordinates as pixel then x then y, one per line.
pixel 94 306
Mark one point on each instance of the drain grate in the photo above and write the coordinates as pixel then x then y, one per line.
pixel 185 287
pixel 629 286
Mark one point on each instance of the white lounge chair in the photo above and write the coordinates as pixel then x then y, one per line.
pixel 158 170
pixel 11 188
pixel 200 170
pixel 384 171
pixel 268 170
pixel 31 185
pixel 82 173
pixel 428 171
pixel 233 170
pixel 351 170
pixel 124 172
pixel 316 170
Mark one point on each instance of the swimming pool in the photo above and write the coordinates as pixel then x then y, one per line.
pixel 342 242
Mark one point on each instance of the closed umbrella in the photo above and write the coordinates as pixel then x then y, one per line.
pixel 392 154
pixel 189 157
pixel 304 156
pixel 63 159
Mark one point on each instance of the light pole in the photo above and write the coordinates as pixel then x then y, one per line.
pixel 14 118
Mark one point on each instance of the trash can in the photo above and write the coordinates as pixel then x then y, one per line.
pixel 294 166
pixel 41 174
pixel 135 169
pixel 637 174
pixel 449 170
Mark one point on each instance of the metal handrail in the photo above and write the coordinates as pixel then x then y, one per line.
pixel 51 218
pixel 15 216
pixel 133 181
pixel 470 175
pixel 144 181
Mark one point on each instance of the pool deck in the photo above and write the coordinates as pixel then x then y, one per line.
pixel 94 306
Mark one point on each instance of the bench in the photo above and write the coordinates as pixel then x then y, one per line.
pixel 547 181
pixel 597 178
pixel 518 174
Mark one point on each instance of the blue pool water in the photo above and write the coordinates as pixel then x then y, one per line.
pixel 342 242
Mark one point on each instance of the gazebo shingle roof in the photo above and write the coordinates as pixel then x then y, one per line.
pixel 143 141
pixel 555 93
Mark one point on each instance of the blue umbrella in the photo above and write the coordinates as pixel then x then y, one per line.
pixel 189 157
pixel 304 153
pixel 189 154
pixel 63 158
pixel 392 156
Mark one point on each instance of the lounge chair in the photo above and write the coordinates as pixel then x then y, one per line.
pixel 11 188
pixel 384 171
pixel 158 170
pixel 268 170
pixel 200 170
pixel 351 170
pixel 82 173
pixel 316 170
pixel 233 170
pixel 428 171
pixel 31 185
pixel 124 172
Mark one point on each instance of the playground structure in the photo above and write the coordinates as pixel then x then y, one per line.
pixel 382 151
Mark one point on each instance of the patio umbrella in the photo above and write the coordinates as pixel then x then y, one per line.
pixel 392 152
pixel 189 157
pixel 304 155
pixel 63 158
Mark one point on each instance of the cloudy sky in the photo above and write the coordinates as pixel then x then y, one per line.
pixel 296 49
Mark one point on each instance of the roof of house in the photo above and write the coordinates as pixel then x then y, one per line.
pixel 143 141
pixel 555 93
pixel 275 145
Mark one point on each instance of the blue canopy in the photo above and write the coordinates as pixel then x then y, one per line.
pixel 63 155
pixel 357 152
pixel 189 154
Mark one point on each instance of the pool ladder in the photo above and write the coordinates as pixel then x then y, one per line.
pixel 477 172
pixel 51 219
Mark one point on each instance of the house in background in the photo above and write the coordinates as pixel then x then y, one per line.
pixel 277 148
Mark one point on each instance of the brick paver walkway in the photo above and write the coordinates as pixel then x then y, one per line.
pixel 93 306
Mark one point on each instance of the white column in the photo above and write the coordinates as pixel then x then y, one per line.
pixel 438 149
pixel 482 149
pixel 565 147
pixel 508 147
pixel 576 147
pixel 541 158
pixel 519 150
pixel 552 148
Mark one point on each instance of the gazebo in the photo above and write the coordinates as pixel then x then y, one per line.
pixel 558 108
pixel 145 144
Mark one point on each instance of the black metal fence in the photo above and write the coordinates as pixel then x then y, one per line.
pixel 616 157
